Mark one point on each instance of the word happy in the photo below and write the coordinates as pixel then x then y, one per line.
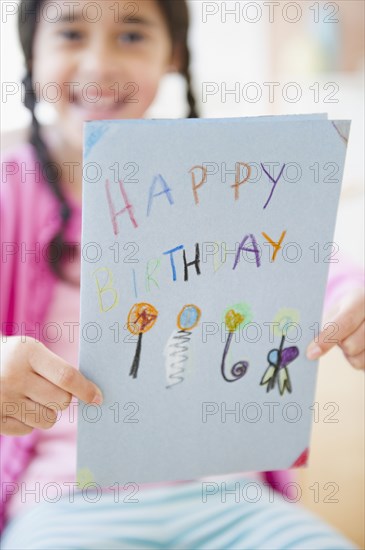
pixel 160 190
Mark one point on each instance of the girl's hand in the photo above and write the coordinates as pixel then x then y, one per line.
pixel 345 327
pixel 35 383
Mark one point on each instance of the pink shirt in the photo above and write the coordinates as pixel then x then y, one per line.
pixel 55 459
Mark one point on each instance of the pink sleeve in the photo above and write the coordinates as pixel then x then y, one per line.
pixel 8 217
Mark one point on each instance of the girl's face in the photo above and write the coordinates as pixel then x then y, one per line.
pixel 99 60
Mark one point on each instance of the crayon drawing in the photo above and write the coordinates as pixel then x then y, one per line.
pixel 280 358
pixel 141 319
pixel 235 317
pixel 176 351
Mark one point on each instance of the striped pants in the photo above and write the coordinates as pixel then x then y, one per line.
pixel 240 513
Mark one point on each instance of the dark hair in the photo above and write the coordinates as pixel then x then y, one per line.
pixel 176 15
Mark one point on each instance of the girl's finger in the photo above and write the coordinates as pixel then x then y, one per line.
pixel 53 368
pixel 355 343
pixel 357 361
pixel 44 392
pixel 34 414
pixel 348 318
pixel 13 426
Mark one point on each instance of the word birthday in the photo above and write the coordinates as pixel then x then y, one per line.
pixel 247 249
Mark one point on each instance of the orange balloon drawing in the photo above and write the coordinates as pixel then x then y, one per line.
pixel 141 319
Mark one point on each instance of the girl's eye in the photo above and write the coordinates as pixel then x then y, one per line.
pixel 131 37
pixel 70 35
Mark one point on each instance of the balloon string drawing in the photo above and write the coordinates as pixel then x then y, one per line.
pixel 279 358
pixel 235 317
pixel 141 319
pixel 177 349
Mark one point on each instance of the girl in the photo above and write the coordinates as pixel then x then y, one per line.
pixel 113 45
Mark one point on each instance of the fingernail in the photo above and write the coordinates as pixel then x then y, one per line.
pixel 314 352
pixel 98 399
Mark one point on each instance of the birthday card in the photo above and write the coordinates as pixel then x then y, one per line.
pixel 206 245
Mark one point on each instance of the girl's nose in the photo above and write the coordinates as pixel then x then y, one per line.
pixel 99 61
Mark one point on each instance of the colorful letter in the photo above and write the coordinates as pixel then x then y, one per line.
pixel 166 191
pixel 277 246
pixel 171 252
pixel 202 180
pixel 255 250
pixel 107 287
pixel 275 181
pixel 237 182
pixel 128 207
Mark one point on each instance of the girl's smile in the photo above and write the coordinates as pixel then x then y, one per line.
pixel 104 105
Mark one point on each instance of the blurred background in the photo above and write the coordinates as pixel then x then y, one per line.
pixel 276 58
